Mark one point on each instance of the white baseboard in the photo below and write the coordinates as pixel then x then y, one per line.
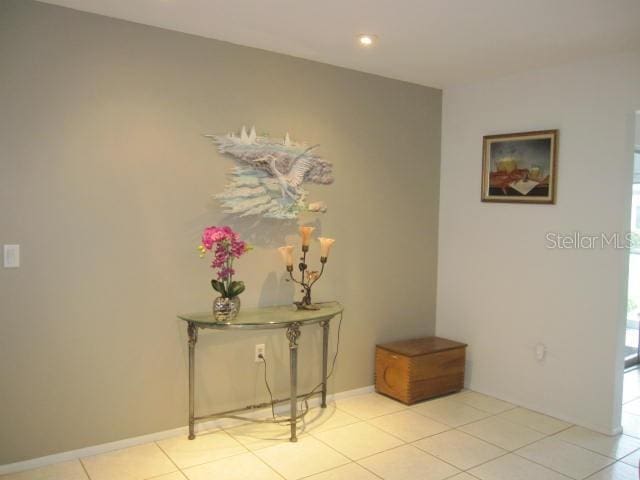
pixel 152 437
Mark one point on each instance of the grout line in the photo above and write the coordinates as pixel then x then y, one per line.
pixel 169 473
pixel 181 470
pixel 503 448
pixel 170 459
pixel 404 408
pixel 513 452
pixel 595 451
pixel 86 472
pixel 349 458
pixel 265 463
pixel 340 466
pixel 404 443
pixel 468 470
pixel 489 415
pixel 505 452
pixel 369 470
pixel 547 466
pixel 602 469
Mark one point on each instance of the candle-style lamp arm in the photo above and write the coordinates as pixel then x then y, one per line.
pixel 319 274
pixel 306 280
pixel 305 304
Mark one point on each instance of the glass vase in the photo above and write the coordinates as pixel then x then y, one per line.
pixel 226 309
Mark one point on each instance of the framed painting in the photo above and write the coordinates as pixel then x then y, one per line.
pixel 520 167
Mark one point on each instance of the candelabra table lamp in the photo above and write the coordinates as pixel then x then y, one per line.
pixel 307 277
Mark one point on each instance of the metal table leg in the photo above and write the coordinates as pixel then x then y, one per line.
pixel 293 332
pixel 192 330
pixel 325 355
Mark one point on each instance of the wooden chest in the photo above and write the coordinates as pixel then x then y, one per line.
pixel 414 370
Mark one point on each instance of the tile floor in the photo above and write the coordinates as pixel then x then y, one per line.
pixel 466 436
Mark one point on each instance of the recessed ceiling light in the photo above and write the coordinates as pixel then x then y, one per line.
pixel 366 40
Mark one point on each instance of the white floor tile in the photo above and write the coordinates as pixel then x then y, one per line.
pixel 612 446
pixel 358 440
pixel 632 407
pixel 369 406
pixel 631 389
pixel 171 476
pixel 321 419
pixel 255 436
pixel 459 449
pixel 60 471
pixel 303 458
pixel 206 447
pixel 617 471
pixel 631 424
pixel 135 463
pixel 632 459
pixel 351 471
pixel 534 420
pixel 483 402
pixel 449 412
pixel 408 463
pixel 512 467
pixel 239 467
pixel 372 429
pixel 573 461
pixel 502 433
pixel 408 425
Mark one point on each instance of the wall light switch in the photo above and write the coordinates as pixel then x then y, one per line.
pixel 11 256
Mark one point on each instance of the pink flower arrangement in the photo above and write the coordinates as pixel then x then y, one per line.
pixel 226 247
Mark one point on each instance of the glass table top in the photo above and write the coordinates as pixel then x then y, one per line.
pixel 266 317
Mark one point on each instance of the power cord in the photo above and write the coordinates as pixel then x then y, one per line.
pixel 305 399
pixel 264 360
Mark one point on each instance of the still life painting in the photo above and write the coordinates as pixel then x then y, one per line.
pixel 270 175
pixel 520 167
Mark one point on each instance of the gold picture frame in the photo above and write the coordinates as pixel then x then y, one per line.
pixel 520 167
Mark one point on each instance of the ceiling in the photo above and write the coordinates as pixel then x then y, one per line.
pixel 431 42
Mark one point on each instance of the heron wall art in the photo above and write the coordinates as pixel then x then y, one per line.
pixel 270 175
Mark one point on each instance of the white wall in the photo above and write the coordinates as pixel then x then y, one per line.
pixel 499 288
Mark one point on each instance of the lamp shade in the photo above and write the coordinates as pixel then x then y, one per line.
pixel 325 246
pixel 287 254
pixel 305 233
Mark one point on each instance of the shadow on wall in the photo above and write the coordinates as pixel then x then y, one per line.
pixel 261 232
pixel 276 290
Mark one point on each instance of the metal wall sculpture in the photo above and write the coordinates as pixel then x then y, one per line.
pixel 270 175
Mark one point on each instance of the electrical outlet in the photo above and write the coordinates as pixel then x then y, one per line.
pixel 260 350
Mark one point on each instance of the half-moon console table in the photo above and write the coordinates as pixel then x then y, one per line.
pixel 285 317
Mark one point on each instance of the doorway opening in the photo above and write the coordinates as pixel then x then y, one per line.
pixel 632 335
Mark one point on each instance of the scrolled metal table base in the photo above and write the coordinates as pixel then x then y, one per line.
pixel 293 333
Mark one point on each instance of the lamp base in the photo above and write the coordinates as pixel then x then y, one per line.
pixel 306 306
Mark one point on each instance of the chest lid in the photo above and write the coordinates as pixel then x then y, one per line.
pixel 421 346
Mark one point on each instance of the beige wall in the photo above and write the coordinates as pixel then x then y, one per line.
pixel 106 183
pixel 499 287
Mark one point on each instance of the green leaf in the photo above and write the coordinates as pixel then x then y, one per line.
pixel 236 288
pixel 218 286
